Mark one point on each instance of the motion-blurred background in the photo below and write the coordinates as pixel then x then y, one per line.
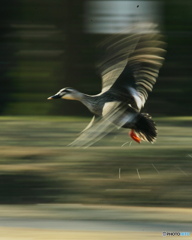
pixel 48 45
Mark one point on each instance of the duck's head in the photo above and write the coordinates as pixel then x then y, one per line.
pixel 67 93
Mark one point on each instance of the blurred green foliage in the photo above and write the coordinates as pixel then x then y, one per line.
pixel 38 167
pixel 43 49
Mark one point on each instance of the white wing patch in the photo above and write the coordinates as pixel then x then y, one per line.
pixel 109 107
pixel 139 101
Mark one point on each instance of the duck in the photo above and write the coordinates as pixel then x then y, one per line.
pixel 129 69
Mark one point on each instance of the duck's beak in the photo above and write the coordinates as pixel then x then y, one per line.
pixel 49 98
pixel 53 97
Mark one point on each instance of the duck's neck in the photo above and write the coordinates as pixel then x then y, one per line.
pixel 87 100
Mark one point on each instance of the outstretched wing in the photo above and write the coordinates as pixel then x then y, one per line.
pixel 134 60
pixel 116 52
pixel 111 114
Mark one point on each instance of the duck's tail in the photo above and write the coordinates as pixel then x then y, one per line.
pixel 145 128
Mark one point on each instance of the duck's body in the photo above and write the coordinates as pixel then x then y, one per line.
pixel 96 103
pixel 128 73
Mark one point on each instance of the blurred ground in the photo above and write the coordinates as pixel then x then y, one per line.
pixel 69 221
pixel 28 234
pixel 88 212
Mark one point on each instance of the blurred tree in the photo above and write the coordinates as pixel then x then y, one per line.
pixel 43 48
pixel 7 49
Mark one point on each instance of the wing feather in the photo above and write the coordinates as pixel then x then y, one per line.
pixel 113 113
pixel 133 60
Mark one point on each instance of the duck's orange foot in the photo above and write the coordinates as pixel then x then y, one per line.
pixel 134 136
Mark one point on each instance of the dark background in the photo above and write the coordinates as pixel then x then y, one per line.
pixel 43 49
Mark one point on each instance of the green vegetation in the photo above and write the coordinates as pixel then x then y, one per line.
pixel 38 167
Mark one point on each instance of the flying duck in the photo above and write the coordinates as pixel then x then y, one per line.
pixel 129 70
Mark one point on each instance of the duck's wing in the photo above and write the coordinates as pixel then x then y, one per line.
pixel 116 50
pixel 103 125
pixel 133 61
